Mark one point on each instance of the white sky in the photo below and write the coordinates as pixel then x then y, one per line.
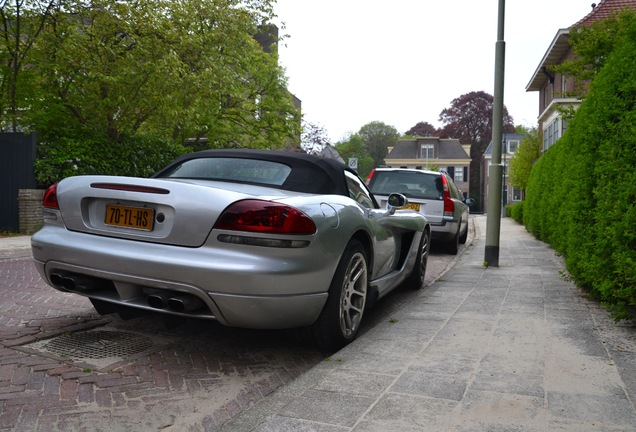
pixel 400 62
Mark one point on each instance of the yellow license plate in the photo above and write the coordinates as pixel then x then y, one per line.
pixel 411 206
pixel 141 218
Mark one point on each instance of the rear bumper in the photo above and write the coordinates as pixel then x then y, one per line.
pixel 241 286
pixel 444 230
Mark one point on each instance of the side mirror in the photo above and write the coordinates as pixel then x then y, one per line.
pixel 469 202
pixel 396 201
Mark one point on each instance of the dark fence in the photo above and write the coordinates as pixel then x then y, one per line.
pixel 17 156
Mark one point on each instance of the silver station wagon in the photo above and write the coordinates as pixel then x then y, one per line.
pixel 430 193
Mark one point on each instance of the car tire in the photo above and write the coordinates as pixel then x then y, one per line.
pixel 452 247
pixel 416 279
pixel 464 237
pixel 340 319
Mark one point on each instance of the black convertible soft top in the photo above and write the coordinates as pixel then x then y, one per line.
pixel 309 174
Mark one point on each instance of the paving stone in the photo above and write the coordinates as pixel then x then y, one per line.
pixel 431 385
pixel 338 409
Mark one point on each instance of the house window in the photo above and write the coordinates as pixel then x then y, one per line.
pixel 552 133
pixel 548 94
pixel 516 194
pixel 512 146
pixel 428 151
pixel 459 174
pixel 451 172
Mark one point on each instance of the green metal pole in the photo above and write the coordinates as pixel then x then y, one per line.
pixel 495 171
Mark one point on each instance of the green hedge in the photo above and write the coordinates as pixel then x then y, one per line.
pixel 515 211
pixel 581 196
pixel 137 156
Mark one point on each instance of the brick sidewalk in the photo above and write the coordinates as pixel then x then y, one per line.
pixel 197 381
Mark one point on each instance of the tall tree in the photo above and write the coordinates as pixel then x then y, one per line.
pixel 469 119
pixel 378 137
pixel 422 129
pixel 353 147
pixel 21 24
pixel 183 70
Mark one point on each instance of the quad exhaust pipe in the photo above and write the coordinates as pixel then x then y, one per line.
pixel 74 282
pixel 175 302
pixel 56 279
pixel 157 301
pixel 78 283
pixel 181 303
pixel 184 303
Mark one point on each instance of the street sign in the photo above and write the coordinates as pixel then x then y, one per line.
pixel 353 163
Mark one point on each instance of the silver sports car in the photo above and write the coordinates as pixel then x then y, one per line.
pixel 254 239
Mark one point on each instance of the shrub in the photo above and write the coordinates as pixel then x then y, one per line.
pixel 515 211
pixel 138 155
pixel 581 193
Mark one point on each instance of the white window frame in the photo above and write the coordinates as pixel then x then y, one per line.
pixel 511 144
pixel 459 174
pixel 427 151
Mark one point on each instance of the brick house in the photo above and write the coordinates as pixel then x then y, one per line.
pixel 430 152
pixel 557 90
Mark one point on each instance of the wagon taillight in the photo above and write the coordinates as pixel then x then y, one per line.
pixel 449 204
pixel 371 174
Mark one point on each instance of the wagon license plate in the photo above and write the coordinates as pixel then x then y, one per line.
pixel 140 218
pixel 411 206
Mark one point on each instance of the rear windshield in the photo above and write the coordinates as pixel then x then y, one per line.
pixel 232 170
pixel 411 184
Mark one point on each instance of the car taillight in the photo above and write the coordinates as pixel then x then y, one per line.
pixel 50 198
pixel 265 217
pixel 370 176
pixel 449 204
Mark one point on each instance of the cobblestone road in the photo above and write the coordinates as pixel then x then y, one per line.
pixel 194 376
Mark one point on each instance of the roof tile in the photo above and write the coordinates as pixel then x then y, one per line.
pixel 605 9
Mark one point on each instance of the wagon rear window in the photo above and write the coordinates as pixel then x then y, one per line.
pixel 411 184
pixel 231 169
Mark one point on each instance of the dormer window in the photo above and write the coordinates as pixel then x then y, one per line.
pixel 427 151
pixel 512 146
